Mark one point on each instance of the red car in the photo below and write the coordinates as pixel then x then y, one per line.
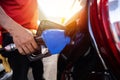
pixel 104 29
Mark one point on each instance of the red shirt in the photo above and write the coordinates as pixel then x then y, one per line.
pixel 25 12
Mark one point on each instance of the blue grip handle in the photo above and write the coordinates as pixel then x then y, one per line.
pixel 55 40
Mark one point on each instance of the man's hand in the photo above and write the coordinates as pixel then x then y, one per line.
pixel 24 40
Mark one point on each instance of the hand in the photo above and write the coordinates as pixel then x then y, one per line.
pixel 24 41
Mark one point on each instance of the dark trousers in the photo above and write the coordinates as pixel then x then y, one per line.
pixel 20 63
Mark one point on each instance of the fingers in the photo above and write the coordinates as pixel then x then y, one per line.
pixel 20 50
pixel 28 48
pixel 26 43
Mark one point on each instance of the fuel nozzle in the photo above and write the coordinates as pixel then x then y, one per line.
pixel 8 48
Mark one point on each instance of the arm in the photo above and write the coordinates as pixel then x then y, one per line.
pixel 25 44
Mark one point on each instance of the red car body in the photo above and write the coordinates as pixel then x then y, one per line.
pixel 102 35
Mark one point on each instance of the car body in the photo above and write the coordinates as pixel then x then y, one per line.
pixel 104 29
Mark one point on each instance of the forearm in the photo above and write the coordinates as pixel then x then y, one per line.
pixel 6 22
